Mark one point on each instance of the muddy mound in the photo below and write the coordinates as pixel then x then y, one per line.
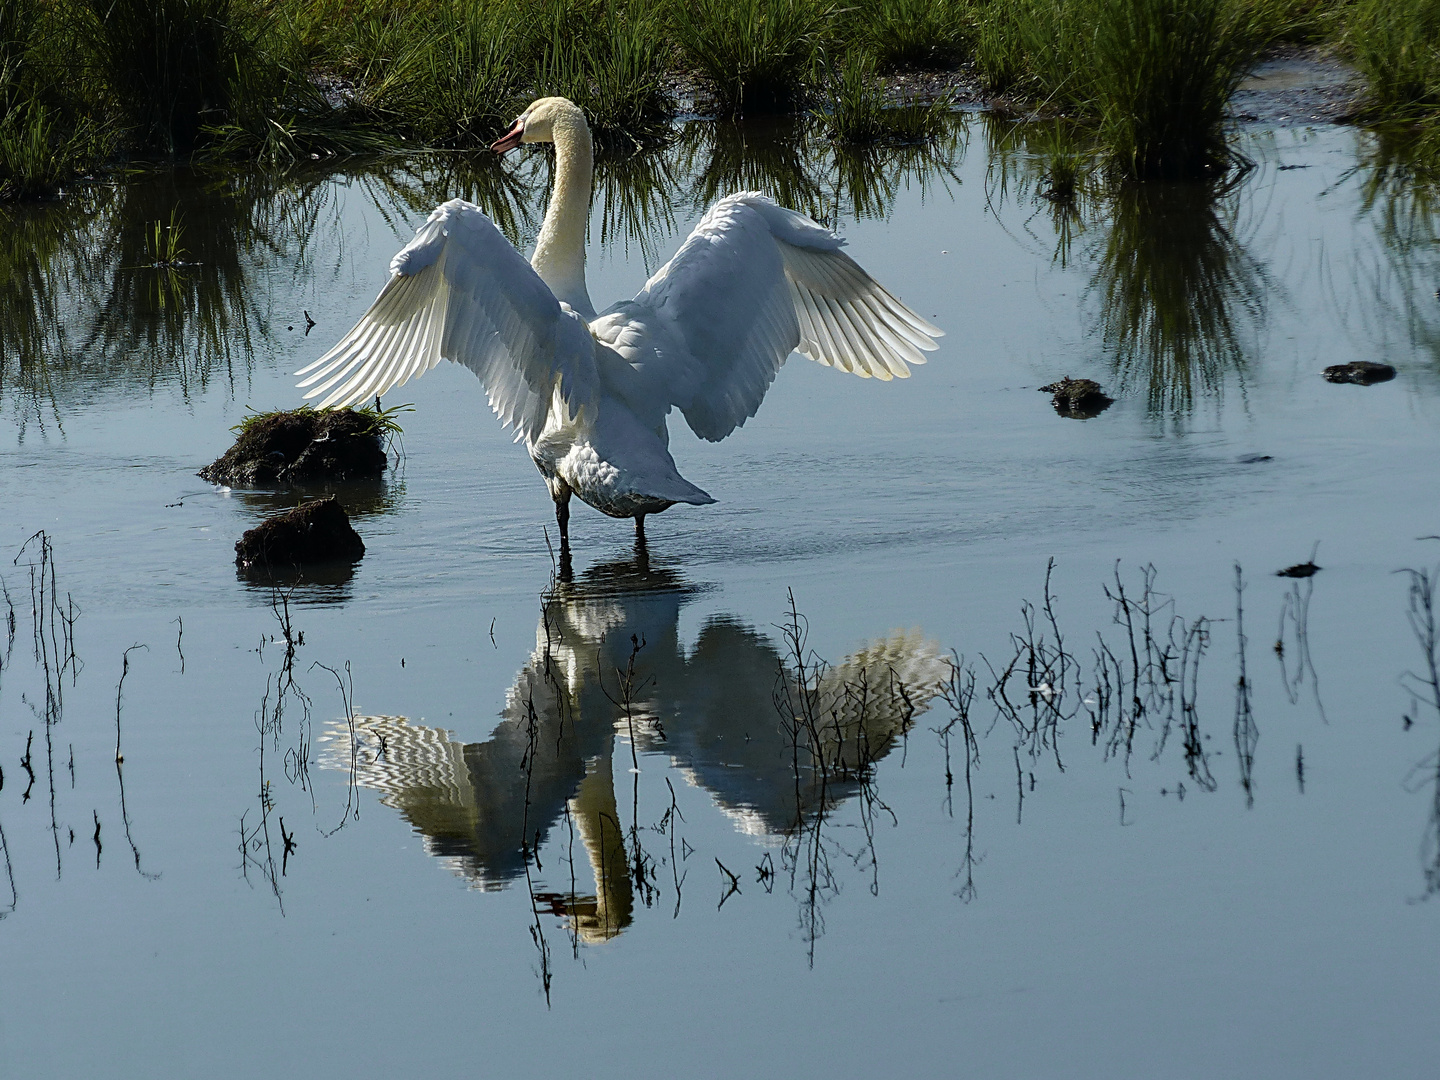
pixel 303 445
pixel 1359 372
pixel 314 532
pixel 1078 399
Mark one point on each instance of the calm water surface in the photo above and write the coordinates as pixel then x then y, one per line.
pixel 471 819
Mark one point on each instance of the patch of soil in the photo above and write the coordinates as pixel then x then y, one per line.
pixel 1298 84
pixel 299 446
pixel 694 97
pixel 1359 372
pixel 1078 399
pixel 314 532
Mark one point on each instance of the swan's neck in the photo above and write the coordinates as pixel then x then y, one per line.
pixel 559 256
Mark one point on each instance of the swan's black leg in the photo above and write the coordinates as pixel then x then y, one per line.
pixel 562 514
pixel 640 529
pixel 561 492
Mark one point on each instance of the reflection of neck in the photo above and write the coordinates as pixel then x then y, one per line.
pixel 598 819
pixel 559 256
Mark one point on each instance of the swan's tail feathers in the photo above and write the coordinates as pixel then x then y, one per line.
pixel 682 491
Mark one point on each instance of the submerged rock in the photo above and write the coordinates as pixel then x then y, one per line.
pixel 1078 399
pixel 303 445
pixel 1359 372
pixel 314 532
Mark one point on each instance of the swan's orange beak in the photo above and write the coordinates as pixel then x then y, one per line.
pixel 510 139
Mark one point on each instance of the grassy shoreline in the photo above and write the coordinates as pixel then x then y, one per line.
pixel 85 83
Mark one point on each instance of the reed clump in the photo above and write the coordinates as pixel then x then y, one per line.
pixel 1153 75
pixel 853 109
pixel 46 134
pixel 903 34
pixel 281 81
pixel 1396 46
pixel 758 54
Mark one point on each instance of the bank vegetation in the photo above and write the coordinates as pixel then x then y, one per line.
pixel 89 83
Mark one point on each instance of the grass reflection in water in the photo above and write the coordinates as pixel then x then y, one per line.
pixel 1178 300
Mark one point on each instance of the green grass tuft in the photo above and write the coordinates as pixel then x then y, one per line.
pixel 910 33
pixel 1154 75
pixel 854 112
pixel 758 54
pixel 1396 45
pixel 381 422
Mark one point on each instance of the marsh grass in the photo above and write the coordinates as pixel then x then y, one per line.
pixel 854 111
pixel 758 54
pixel 1153 75
pixel 609 58
pixel 168 63
pixel 44 138
pixel 37 153
pixel 909 33
pixel 1396 45
pixel 282 82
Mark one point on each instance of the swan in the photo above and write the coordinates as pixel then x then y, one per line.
pixel 590 394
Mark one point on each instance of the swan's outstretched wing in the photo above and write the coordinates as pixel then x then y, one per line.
pixel 753 283
pixel 460 291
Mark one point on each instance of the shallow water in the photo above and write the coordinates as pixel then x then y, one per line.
pixel 1178 874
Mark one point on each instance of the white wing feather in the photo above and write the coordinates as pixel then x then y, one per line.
pixel 752 283
pixel 460 291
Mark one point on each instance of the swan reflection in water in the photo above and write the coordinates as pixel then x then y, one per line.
pixel 485 807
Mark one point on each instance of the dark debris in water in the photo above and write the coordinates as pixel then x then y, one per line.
pixel 314 532
pixel 1078 399
pixel 302 445
pixel 1359 372
pixel 1254 459
pixel 1299 570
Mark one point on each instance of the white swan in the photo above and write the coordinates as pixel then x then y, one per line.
pixel 590 395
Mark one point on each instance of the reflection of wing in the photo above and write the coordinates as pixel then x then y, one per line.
pixel 469 800
pixel 875 693
pixel 418 771
pixel 731 740
pixel 460 291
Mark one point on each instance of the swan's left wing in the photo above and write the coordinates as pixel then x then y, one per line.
pixel 460 291
pixel 753 283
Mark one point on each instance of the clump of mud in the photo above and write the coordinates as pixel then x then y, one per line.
pixel 314 532
pixel 1078 399
pixel 303 445
pixel 1359 372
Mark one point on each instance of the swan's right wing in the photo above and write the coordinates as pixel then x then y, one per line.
pixel 460 291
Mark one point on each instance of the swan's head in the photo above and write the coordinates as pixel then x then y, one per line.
pixel 538 122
